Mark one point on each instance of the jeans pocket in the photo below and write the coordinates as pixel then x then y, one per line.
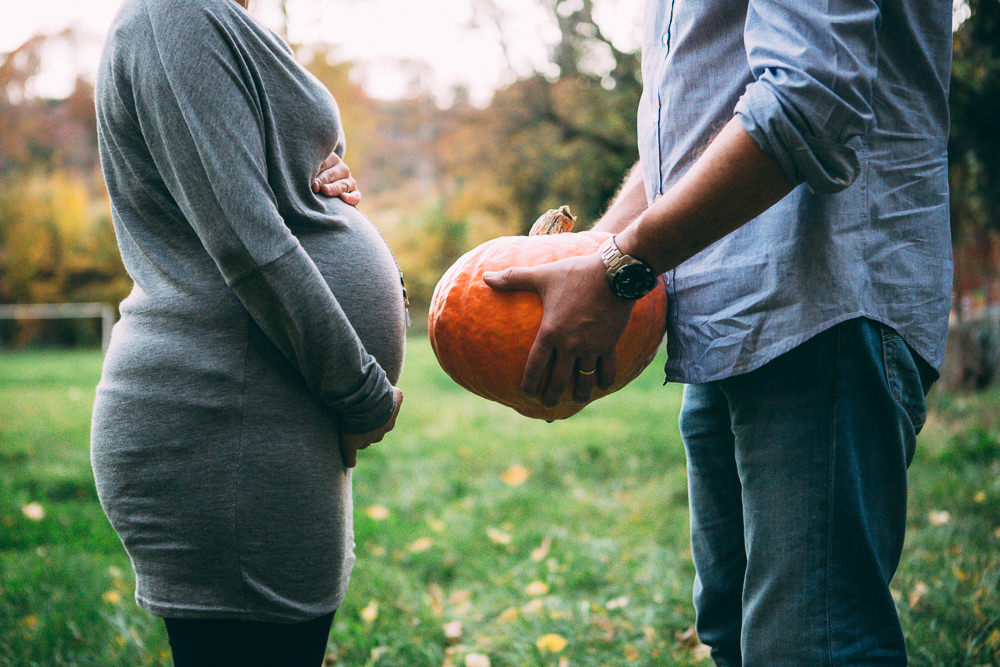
pixel 903 375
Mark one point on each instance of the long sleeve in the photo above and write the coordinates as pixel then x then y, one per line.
pixel 813 66
pixel 200 112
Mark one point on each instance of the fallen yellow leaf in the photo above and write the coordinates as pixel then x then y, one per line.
pixel 435 593
pixel 534 606
pixel 420 544
pixel 112 597
pixel 509 614
pixel 702 652
pixel 542 550
pixel 617 603
pixel 498 536
pixel 980 497
pixel 551 643
pixel 477 660
pixel 515 475
pixel 370 613
pixel 377 512
pixel 631 653
pixel 916 596
pixel 687 637
pixel 34 511
pixel 30 621
pixel 437 525
pixel 460 596
pixel 453 630
pixel 938 517
pixel 536 588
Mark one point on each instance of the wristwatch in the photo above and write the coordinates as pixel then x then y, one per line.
pixel 629 277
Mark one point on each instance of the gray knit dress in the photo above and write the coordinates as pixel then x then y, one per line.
pixel 264 320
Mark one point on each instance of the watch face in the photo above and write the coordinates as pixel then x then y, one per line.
pixel 633 281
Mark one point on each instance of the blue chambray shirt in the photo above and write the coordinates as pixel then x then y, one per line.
pixel 851 98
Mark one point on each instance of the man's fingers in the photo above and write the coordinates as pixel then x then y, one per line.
pixel 511 280
pixel 560 377
pixel 583 382
pixel 536 369
pixel 607 368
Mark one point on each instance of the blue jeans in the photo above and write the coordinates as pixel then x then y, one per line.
pixel 797 487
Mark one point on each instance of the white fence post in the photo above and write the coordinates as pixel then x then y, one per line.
pixel 51 311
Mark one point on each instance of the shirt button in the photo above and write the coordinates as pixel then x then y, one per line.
pixel 666 39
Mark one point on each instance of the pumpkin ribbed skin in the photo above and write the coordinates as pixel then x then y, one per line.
pixel 482 337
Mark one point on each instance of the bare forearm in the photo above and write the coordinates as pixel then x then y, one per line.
pixel 627 205
pixel 731 183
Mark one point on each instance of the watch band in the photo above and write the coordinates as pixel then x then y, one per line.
pixel 629 277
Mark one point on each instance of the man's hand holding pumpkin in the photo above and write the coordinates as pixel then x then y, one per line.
pixel 581 325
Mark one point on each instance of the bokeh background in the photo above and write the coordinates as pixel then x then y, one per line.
pixel 483 538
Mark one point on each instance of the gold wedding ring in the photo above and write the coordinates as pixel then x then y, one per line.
pixel 586 372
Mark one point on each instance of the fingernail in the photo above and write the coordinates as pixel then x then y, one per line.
pixel 316 184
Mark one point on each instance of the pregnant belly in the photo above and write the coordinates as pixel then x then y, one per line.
pixel 357 264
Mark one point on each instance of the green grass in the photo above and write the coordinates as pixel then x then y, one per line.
pixel 592 546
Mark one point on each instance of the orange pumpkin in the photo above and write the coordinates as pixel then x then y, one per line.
pixel 482 337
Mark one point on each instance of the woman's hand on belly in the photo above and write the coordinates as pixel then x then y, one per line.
pixel 351 443
pixel 335 180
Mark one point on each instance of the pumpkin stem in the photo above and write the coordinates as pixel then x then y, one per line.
pixel 553 221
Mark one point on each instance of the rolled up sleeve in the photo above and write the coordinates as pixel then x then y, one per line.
pixel 811 98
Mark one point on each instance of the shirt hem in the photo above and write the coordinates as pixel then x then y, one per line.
pixel 172 610
pixel 677 374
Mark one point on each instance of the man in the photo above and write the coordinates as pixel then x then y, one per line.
pixel 805 249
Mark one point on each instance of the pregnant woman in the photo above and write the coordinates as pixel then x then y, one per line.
pixel 259 348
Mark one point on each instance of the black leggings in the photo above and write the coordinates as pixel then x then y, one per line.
pixel 197 642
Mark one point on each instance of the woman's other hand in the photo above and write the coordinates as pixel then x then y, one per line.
pixel 351 443
pixel 335 180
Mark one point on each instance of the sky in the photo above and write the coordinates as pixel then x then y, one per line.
pixel 376 33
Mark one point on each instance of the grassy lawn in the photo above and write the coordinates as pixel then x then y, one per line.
pixel 479 531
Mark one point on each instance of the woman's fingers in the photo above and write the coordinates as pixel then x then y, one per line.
pixel 334 180
pixel 352 443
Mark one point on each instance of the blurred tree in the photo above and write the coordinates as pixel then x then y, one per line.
pixel 549 140
pixel 974 154
pixel 37 133
pixel 975 107
pixel 443 180
pixel 56 239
